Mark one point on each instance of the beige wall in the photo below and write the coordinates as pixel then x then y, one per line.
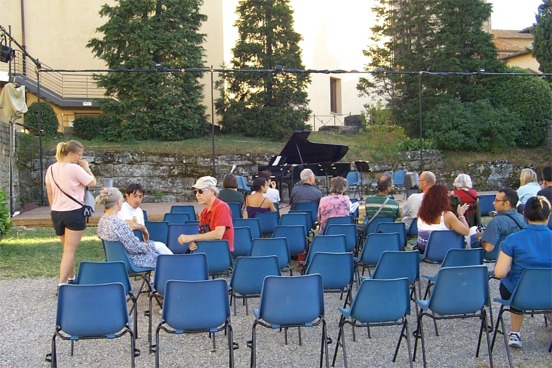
pixel 526 61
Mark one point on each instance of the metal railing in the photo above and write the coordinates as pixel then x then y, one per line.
pixel 327 120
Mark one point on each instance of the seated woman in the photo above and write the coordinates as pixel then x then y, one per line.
pixel 335 204
pixel 528 187
pixel 434 215
pixel 527 248
pixel 112 228
pixel 464 191
pixel 230 192
pixel 257 202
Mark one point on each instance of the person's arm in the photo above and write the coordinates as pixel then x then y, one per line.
pixel 271 206
pixel 503 264
pixel 86 167
pixel 215 234
pixel 136 226
pixel 458 224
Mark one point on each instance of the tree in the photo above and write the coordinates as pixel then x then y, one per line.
pixel 542 33
pixel 264 104
pixel 152 35
pixel 48 119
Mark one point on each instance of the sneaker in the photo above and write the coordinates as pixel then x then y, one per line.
pixel 515 340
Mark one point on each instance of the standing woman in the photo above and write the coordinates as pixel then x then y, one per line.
pixel 70 174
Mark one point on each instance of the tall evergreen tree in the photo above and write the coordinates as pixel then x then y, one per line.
pixel 542 32
pixel 264 104
pixel 152 35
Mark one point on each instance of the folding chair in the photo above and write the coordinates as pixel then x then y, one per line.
pixel 242 241
pixel 219 258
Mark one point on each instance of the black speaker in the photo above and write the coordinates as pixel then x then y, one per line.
pixel 6 54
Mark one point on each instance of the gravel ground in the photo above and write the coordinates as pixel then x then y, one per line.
pixel 27 324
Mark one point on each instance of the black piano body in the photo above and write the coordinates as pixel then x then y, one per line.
pixel 299 154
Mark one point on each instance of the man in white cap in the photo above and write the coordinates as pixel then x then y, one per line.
pixel 215 221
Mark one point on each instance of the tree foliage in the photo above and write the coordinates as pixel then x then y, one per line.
pixel 152 35
pixel 542 33
pixel 5 222
pixel 264 104
pixel 48 121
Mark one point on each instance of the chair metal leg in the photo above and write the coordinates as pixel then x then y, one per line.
pixel 253 362
pixel 324 349
pixel 53 357
pixel 157 346
pixel 132 349
pixel 229 331
pixel 340 340
pixel 496 330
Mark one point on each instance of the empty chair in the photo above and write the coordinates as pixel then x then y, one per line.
pixel 282 306
pixel 349 230
pixel 219 258
pixel 295 235
pixel 377 303
pixel 297 218
pixel 92 312
pixel 326 243
pixel 236 209
pixel 158 230
pixel 242 241
pixel 374 245
pixel 342 220
pixel 369 227
pixel 354 182
pixel 337 271
pixel 177 218
pixel 174 231
pixel 242 184
pixel 311 207
pixel 196 307
pixel 248 275
pixel 486 204
pixel 184 208
pixel 398 264
pixel 268 221
pixel 393 227
pixel 439 243
pixel 273 247
pixel 398 178
pixel 253 224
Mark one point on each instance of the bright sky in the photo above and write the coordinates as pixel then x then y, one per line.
pixel 513 14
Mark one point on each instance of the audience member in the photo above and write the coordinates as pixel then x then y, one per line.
pixel 546 183
pixel 435 214
pixel 334 205
pixel 466 194
pixel 230 193
pixel 131 211
pixel 271 193
pixel 414 201
pixel 528 248
pixel 112 228
pixel 257 202
pixel 528 187
pixel 382 204
pixel 215 221
pixel 506 221
pixel 306 192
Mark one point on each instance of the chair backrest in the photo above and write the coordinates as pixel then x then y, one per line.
pixel 393 227
pixel 292 300
pixel 184 208
pixel 249 272
pixel 295 235
pixel 242 241
pixel 297 218
pixel 381 300
pixel 349 230
pixel 311 207
pixel 254 224
pixel 242 183
pixel 486 204
pixel 91 273
pixel 413 229
pixel 219 258
pixel 269 220
pixel 439 243
pixel 98 310
pixel 459 290
pixel 353 178
pixel 533 291
pixel 236 209
pixel 397 264
pixel 463 257
pixel 354 215
pixel 492 256
pixel 341 220
pixel 398 177
pixel 377 243
pixel 196 305
pixel 158 230
pixel 373 225
pixel 327 243
pixel 145 214
pixel 189 267
pixel 272 247
pixel 116 252
pixel 177 218
pixel 174 231
pixel 336 269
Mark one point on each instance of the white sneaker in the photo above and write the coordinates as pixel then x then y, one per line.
pixel 515 340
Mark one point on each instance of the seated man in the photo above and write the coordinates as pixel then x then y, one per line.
pixel 131 212
pixel 306 192
pixel 382 204
pixel 414 201
pixel 507 221
pixel 546 183
pixel 271 193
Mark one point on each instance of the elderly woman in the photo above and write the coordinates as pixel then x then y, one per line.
pixel 335 204
pixel 463 189
pixel 528 186
pixel 112 228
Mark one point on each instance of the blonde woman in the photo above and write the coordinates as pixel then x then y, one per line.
pixel 528 185
pixel 65 182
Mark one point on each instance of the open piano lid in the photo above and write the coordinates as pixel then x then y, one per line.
pixel 298 150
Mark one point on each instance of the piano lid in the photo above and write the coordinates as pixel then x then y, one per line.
pixel 299 150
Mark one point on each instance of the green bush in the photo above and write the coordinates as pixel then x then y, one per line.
pixel 49 123
pixel 89 126
pixel 415 144
pixel 473 126
pixel 5 222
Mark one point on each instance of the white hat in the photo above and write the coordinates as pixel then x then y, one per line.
pixel 205 182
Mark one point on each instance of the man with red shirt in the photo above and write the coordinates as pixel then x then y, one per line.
pixel 215 221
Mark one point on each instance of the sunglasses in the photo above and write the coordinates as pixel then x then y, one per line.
pixel 200 191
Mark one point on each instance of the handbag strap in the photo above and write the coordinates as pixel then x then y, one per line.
pixel 378 211
pixel 52 174
pixel 514 220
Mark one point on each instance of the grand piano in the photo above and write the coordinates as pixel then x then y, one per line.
pixel 299 153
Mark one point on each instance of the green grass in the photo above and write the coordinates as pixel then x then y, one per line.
pixel 36 252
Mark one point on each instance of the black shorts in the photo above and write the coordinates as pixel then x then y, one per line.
pixel 72 220
pixel 506 294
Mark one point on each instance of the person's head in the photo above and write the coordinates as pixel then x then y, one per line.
pixel 71 149
pixel 527 176
pixel 267 175
pixel 307 176
pixel 506 199
pixel 259 185
pixel 537 209
pixel 230 182
pixel 426 181
pixel 385 184
pixel 134 194
pixel 462 181
pixel 435 202
pixel 547 175
pixel 339 185
pixel 110 197
pixel 205 190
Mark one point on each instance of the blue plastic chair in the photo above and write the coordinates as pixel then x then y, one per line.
pixel 187 267
pixel 393 227
pixel 311 207
pixel 138 233
pixel 248 275
pixel 377 303
pixel 374 246
pixel 486 204
pixel 219 258
pixel 196 307
pixel 254 224
pixel 282 306
pixel 326 243
pixel 370 227
pixel 92 312
pixel 174 231
pixel 398 264
pixel 269 220
pixel 532 295
pixel 273 247
pixel 184 208
pixel 342 220
pixel 459 293
pixel 145 215
pixel 242 184
pixel 243 242
pixel 337 271
pixel 297 218
pixel 295 235
pixel 176 218
pixel 236 209
pixel 354 182
pixel 349 230
pixel 413 229
pixel 398 178
pixel 158 230
pixel 439 243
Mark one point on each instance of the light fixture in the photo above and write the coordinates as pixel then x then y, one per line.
pixel 6 54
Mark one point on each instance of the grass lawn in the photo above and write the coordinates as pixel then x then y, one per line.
pixel 36 252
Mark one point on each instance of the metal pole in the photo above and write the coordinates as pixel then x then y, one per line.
pixel 41 156
pixel 213 122
pixel 421 121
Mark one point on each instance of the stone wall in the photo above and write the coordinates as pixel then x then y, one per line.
pixel 5 166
